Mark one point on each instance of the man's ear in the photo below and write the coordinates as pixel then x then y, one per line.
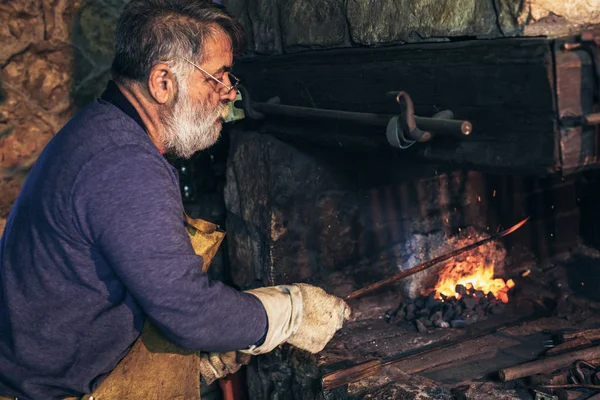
pixel 161 83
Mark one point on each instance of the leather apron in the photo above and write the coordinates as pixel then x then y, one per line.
pixel 155 368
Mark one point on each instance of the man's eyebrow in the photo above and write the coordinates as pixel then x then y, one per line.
pixel 223 69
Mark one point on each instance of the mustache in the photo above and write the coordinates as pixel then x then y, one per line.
pixel 222 110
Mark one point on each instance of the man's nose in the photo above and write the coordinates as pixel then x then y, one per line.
pixel 226 97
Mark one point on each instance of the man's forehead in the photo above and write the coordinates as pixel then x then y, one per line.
pixel 218 47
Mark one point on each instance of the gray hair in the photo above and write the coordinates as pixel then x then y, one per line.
pixel 153 31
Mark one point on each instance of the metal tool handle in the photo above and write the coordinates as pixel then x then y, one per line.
pixel 428 264
pixel 411 127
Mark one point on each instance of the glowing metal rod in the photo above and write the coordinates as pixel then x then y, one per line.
pixel 428 264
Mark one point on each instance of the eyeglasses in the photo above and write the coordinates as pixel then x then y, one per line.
pixel 233 78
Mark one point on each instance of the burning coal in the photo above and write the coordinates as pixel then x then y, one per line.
pixel 467 288
pixel 473 276
pixel 477 270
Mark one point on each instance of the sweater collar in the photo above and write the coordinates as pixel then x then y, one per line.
pixel 113 95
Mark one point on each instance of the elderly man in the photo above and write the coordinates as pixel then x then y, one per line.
pixel 96 244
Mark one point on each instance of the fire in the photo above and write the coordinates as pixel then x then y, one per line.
pixel 475 271
pixel 479 278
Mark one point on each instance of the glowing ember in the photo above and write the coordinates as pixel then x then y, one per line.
pixel 475 271
pixel 477 277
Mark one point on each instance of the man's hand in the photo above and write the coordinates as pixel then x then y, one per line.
pixel 322 316
pixel 215 366
pixel 302 315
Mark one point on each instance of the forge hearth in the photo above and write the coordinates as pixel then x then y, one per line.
pixel 343 220
pixel 326 215
pixel 541 304
pixel 459 292
pixel 333 204
pixel 329 202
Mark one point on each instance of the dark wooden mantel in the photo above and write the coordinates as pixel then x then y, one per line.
pixel 518 93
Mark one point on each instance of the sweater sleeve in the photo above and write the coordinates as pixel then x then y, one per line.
pixel 128 205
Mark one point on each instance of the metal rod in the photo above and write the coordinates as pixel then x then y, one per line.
pixel 440 126
pixel 317 113
pixel 428 264
pixel 592 119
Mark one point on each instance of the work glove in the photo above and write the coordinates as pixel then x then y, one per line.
pixel 215 366
pixel 302 315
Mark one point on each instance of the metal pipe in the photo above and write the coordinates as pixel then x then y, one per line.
pixel 591 119
pixel 317 113
pixel 402 131
pixel 439 126
pixel 449 127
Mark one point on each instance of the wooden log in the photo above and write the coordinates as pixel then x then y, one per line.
pixel 569 346
pixel 548 364
pixel 589 334
pixel 560 377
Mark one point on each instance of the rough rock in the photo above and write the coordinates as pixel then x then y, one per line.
pixel 313 23
pixel 35 64
pixel 558 17
pixel 508 16
pixel 54 57
pixel 22 25
pixel 383 21
pixel 93 37
pixel 239 9
pixel 287 219
pixel 289 25
pixel 294 217
pixel 264 17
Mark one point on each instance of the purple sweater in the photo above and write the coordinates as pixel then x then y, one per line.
pixel 95 244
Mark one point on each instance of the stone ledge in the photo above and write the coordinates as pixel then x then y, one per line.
pixel 287 26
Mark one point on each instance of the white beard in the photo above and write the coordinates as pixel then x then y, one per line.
pixel 190 127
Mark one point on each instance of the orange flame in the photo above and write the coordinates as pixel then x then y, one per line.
pixel 475 269
pixel 472 275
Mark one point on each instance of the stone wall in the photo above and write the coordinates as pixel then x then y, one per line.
pixel 343 220
pixel 55 56
pixel 277 26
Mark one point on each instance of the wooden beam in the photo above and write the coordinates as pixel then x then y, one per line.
pixel 575 88
pixel 505 87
